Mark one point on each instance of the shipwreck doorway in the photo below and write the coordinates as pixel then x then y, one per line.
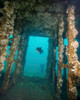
pixel 36 63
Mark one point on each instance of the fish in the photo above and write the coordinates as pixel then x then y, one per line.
pixel 39 50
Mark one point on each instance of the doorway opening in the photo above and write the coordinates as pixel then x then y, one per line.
pixel 36 61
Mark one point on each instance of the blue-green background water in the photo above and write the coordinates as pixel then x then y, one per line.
pixel 35 65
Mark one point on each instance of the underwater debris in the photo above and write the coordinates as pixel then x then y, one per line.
pixel 72 44
pixel 19 61
pixel 73 69
pixel 39 50
pixel 61 41
pixel 60 53
pixel 6 29
pixel 10 61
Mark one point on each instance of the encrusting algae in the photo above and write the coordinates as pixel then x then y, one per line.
pixel 6 29
pixel 73 63
pixel 60 53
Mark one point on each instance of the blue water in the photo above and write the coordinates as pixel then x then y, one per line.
pixel 65 42
pixel 35 65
